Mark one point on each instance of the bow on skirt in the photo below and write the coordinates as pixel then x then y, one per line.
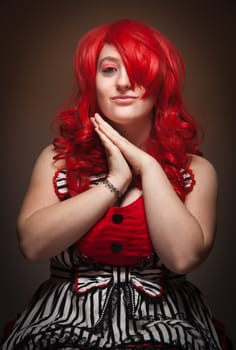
pixel 132 283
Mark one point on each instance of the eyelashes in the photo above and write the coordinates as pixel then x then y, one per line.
pixel 109 68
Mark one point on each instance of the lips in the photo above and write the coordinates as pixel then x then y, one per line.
pixel 124 100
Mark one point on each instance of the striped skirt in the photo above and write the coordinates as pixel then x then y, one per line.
pixel 93 306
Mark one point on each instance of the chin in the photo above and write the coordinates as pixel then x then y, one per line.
pixel 122 120
pixel 122 117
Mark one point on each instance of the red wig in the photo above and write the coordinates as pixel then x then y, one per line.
pixel 151 61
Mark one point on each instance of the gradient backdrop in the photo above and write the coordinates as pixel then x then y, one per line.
pixel 39 40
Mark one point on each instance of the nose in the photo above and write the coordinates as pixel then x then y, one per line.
pixel 123 82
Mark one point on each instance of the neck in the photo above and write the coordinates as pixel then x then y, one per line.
pixel 137 133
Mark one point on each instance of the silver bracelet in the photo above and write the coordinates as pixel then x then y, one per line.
pixel 112 188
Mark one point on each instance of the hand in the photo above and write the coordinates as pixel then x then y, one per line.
pixel 119 171
pixel 138 159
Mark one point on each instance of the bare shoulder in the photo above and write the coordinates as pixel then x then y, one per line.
pixel 46 159
pixel 202 165
pixel 44 170
pixel 40 192
pixel 204 172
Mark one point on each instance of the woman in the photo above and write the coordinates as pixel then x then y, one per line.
pixel 123 204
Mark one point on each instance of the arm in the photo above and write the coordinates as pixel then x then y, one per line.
pixel 47 226
pixel 182 233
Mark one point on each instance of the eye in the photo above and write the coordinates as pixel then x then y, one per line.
pixel 109 68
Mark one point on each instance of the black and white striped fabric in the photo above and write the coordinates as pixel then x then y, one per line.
pixel 87 305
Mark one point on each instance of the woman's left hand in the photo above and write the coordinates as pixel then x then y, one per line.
pixel 138 159
pixel 182 234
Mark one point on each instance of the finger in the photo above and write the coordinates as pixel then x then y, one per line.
pixel 98 130
pixel 110 132
pixel 94 122
pixel 104 125
pixel 107 143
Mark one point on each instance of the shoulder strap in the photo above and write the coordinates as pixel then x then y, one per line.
pixel 189 179
pixel 60 184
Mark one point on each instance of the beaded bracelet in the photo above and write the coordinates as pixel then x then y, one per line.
pixel 112 188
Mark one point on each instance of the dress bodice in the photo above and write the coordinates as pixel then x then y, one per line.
pixel 121 236
pixel 87 304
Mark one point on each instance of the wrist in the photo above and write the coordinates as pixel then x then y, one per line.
pixel 120 181
pixel 112 188
pixel 147 166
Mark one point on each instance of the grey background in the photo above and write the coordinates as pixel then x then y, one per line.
pixel 38 42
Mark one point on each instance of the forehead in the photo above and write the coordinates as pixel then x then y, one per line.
pixel 109 52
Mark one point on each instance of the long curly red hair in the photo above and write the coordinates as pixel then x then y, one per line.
pixel 151 61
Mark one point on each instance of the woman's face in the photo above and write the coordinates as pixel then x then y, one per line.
pixel 117 101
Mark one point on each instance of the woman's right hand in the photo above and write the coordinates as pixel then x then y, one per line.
pixel 120 173
pixel 47 226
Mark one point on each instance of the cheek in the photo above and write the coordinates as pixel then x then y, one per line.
pixel 101 89
pixel 102 101
pixel 150 102
pixel 100 96
pixel 102 92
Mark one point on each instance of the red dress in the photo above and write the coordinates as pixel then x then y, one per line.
pixel 109 291
pixel 120 238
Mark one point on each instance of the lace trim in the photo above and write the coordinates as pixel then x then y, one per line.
pixel 64 337
pixel 60 184
pixel 189 179
pixel 62 191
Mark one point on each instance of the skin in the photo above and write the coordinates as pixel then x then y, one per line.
pixel 182 235
pixel 122 106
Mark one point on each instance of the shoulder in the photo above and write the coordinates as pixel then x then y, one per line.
pixel 45 166
pixel 41 192
pixel 47 158
pixel 204 173
pixel 202 165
